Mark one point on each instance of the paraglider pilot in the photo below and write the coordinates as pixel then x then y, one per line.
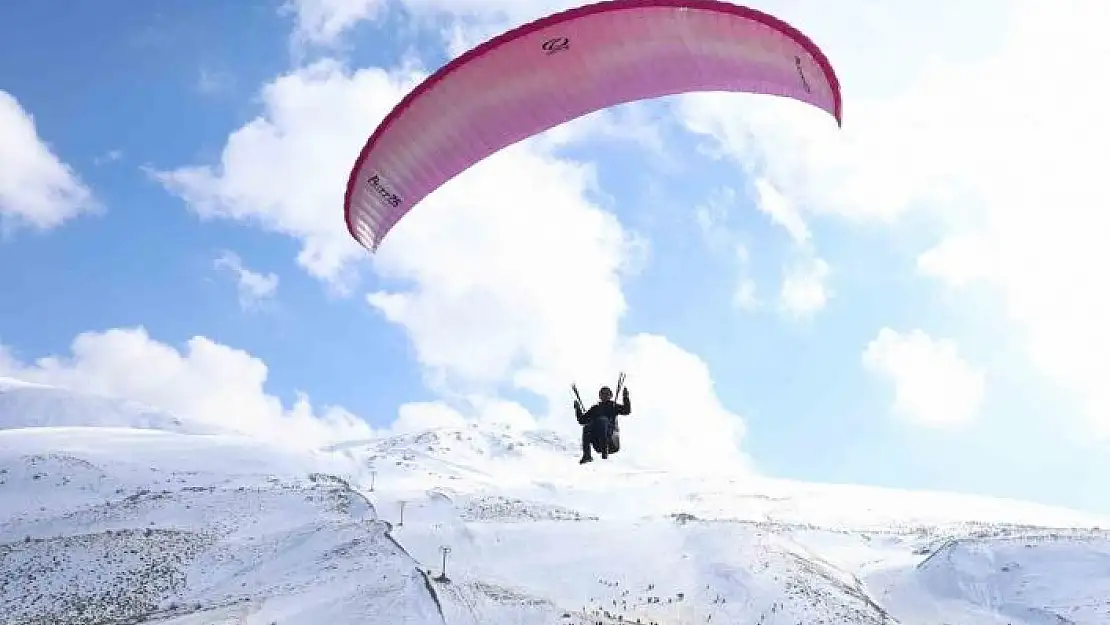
pixel 599 424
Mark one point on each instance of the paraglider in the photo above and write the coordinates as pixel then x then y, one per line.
pixel 564 66
pixel 600 429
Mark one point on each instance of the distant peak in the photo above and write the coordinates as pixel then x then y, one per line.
pixel 27 405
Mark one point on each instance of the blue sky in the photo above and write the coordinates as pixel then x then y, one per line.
pixel 923 215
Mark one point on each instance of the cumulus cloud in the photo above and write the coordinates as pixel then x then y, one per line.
pixel 254 288
pixel 37 189
pixel 206 382
pixel 419 416
pixel 677 419
pixel 287 169
pixel 323 22
pixel 979 121
pixel 512 269
pixel 887 159
pixel 933 385
pixel 677 414
pixel 488 411
pixel 1040 225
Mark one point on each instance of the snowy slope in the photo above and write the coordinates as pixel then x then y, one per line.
pixel 1039 578
pixel 103 525
pixel 540 464
pixel 549 541
pixel 152 523
pixel 23 404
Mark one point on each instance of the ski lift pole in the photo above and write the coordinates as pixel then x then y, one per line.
pixel 445 549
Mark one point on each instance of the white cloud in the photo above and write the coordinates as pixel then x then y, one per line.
pixel 781 211
pixel 500 412
pixel 960 260
pixel 253 287
pixel 986 122
pixel 1036 165
pixel 933 384
pixel 711 217
pixel 37 189
pixel 677 420
pixel 744 297
pixel 419 416
pixel 804 291
pixel 323 22
pixel 207 382
pixel 287 169
pixel 473 21
pixel 490 411
pixel 632 123
pixel 887 160
pixel 557 302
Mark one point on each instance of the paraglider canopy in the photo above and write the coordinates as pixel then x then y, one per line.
pixel 564 66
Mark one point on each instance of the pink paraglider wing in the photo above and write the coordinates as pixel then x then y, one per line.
pixel 562 67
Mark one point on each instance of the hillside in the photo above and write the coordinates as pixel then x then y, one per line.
pixel 610 544
pixel 153 523
pixel 106 525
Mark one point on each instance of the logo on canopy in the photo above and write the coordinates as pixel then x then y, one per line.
pixel 375 183
pixel 556 44
pixel 802 74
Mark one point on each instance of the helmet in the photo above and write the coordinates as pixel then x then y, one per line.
pixel 605 393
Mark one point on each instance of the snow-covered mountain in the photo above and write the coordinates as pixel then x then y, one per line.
pixel 24 404
pixel 155 523
pixel 610 543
